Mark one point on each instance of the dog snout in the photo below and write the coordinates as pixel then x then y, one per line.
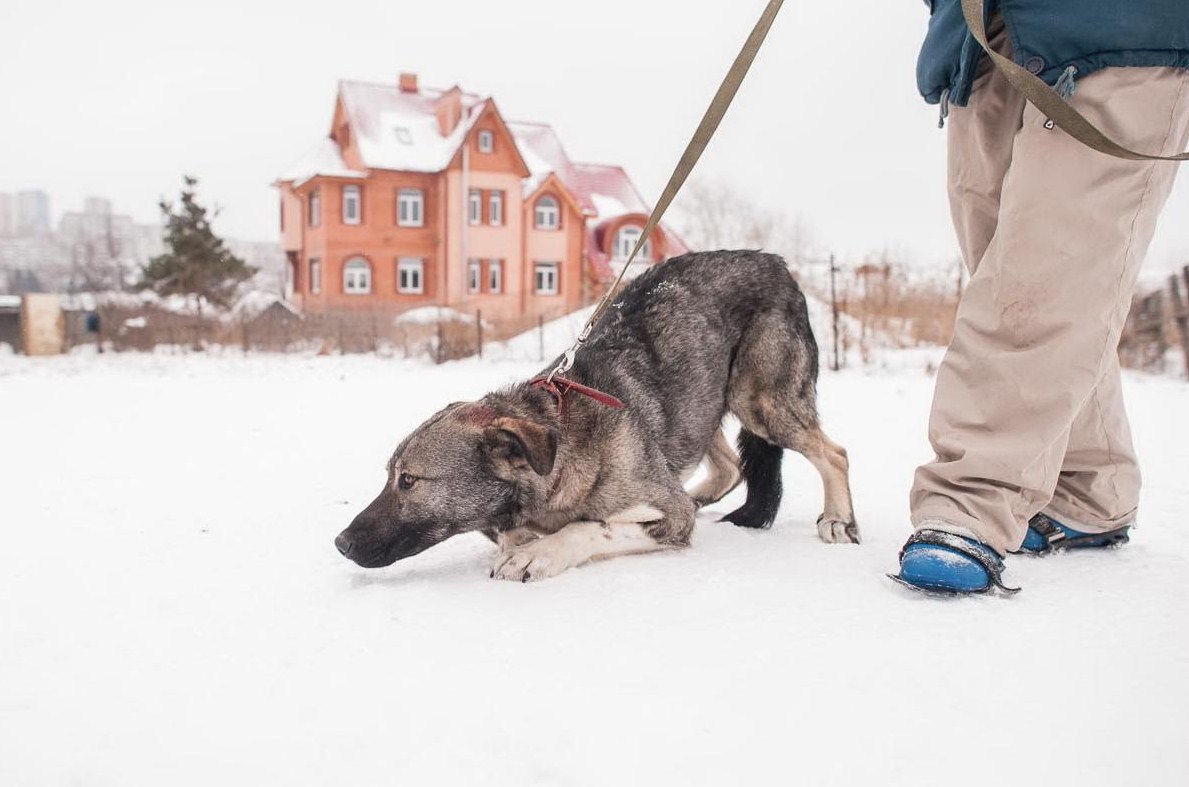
pixel 343 544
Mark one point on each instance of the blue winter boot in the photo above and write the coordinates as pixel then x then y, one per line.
pixel 934 561
pixel 1046 535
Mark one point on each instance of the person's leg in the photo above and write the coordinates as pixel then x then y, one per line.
pixel 1098 488
pixel 1038 326
pixel 979 149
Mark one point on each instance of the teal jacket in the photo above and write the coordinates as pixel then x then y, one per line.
pixel 1050 36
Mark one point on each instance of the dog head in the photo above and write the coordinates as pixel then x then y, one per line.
pixel 467 468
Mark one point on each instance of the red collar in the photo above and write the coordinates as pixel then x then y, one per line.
pixel 560 386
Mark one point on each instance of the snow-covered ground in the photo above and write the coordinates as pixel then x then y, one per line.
pixel 173 612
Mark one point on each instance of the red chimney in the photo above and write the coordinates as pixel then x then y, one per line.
pixel 408 83
pixel 449 110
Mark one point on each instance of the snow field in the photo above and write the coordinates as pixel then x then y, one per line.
pixel 172 610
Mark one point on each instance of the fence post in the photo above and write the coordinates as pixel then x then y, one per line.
pixel 1180 313
pixel 479 328
pixel 438 350
pixel 837 364
pixel 541 337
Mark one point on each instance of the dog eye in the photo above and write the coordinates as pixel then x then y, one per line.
pixel 406 481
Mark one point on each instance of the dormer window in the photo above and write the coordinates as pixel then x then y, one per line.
pixel 486 141
pixel 547 215
pixel 403 136
pixel 626 240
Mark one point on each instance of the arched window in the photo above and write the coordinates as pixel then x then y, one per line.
pixel 547 214
pixel 357 277
pixel 626 240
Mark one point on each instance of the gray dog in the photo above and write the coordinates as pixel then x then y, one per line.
pixel 560 480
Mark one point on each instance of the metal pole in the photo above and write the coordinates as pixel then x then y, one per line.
pixel 479 328
pixel 464 246
pixel 834 311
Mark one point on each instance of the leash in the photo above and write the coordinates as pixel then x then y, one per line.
pixel 1046 99
pixel 697 145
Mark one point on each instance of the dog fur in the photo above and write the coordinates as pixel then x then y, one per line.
pixel 689 341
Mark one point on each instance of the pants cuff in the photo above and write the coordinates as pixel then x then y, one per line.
pixel 968 527
pixel 1054 511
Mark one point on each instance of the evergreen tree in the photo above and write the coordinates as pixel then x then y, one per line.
pixel 196 261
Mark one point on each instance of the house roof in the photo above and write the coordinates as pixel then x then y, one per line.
pixel 322 159
pixel 543 153
pixel 610 190
pixel 399 130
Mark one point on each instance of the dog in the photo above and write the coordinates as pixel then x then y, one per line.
pixel 560 480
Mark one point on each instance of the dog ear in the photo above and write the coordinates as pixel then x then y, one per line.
pixel 522 443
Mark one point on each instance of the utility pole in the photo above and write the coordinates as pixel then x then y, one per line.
pixel 837 364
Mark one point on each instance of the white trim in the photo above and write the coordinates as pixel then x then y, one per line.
pixel 410 208
pixel 495 208
pixel 314 285
pixel 315 208
pixel 475 207
pixel 474 276
pixel 546 278
pixel 357 276
pixel 352 204
pixel 410 276
pixel 625 241
pixel 547 213
pixel 495 276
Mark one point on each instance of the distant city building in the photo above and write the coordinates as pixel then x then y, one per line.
pixel 97 249
pixel 430 197
pixel 33 212
pixel 8 215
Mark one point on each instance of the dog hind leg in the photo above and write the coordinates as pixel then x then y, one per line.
pixel 724 472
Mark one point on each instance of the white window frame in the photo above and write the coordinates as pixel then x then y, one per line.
pixel 495 209
pixel 474 276
pixel 352 195
pixel 551 283
pixel 314 285
pixel 547 216
pixel 625 241
pixel 315 217
pixel 486 141
pixel 495 276
pixel 357 278
pixel 475 207
pixel 410 276
pixel 410 208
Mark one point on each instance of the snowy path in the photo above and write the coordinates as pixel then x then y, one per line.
pixel 172 610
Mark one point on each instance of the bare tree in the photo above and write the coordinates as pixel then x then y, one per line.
pixel 717 216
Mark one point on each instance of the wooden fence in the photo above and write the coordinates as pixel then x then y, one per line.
pixel 1158 322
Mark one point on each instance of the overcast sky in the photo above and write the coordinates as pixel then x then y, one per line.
pixel 120 97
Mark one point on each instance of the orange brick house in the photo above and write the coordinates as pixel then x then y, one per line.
pixel 427 197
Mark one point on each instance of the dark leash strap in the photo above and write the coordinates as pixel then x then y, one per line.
pixel 561 386
pixel 1046 99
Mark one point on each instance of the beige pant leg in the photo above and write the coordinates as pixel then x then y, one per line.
pixel 1099 485
pixel 1038 326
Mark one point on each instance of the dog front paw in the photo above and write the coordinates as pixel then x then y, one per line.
pixel 530 563
pixel 836 531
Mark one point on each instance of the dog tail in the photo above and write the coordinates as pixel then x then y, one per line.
pixel 759 462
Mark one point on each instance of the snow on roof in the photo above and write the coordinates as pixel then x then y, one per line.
pixel 611 186
pixel 322 159
pixel 398 130
pixel 542 151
